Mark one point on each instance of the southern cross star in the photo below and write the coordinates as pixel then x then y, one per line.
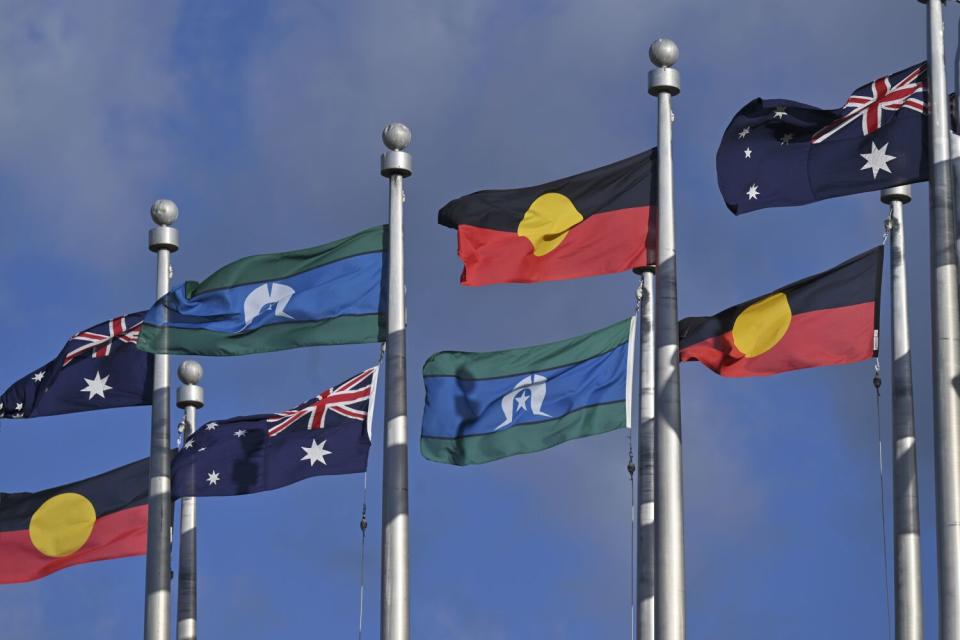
pixel 315 452
pixel 744 133
pixel 747 152
pixel 97 387
pixel 38 376
pixel 780 112
pixel 785 140
pixel 211 426
pixel 753 192
pixel 877 159
pixel 240 433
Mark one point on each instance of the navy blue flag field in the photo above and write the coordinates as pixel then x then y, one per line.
pixel 326 435
pixel 780 153
pixel 98 368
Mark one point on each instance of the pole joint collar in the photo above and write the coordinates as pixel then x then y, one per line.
pixel 164 237
pixel 896 194
pixel 396 162
pixel 663 79
pixel 190 395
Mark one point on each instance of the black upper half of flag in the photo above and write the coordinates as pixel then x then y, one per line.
pixel 625 184
pixel 109 492
pixel 98 368
pixel 855 281
pixel 780 153
pixel 326 435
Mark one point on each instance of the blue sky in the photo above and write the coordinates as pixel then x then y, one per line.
pixel 262 121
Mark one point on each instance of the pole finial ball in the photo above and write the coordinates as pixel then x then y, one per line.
pixel 164 212
pixel 664 52
pixel 396 136
pixel 189 372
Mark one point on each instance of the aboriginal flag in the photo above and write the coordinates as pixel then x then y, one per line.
pixel 98 518
pixel 589 224
pixel 829 318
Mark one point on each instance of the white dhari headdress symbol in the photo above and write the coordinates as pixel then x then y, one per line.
pixel 263 296
pixel 532 388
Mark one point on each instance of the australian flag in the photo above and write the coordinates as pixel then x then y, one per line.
pixel 98 368
pixel 779 153
pixel 326 435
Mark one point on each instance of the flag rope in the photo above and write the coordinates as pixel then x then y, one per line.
pixel 363 549
pixel 631 468
pixel 883 509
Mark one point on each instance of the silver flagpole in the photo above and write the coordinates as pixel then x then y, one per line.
pixel 946 335
pixel 646 540
pixel 395 164
pixel 906 509
pixel 664 82
pixel 164 240
pixel 189 398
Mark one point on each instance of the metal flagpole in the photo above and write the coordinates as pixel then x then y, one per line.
pixel 395 164
pixel 664 82
pixel 189 398
pixel 164 240
pixel 946 335
pixel 906 509
pixel 646 540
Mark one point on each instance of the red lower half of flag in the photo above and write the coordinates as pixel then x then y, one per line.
pixel 116 535
pixel 607 242
pixel 839 335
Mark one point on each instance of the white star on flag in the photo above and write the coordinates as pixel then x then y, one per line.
pixel 97 387
pixel 212 426
pixel 780 112
pixel 240 433
pixel 785 140
pixel 753 192
pixel 747 152
pixel 877 159
pixel 188 444
pixel 38 376
pixel 213 478
pixel 744 133
pixel 19 406
pixel 315 452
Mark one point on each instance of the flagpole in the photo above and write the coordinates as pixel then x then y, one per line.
pixel 946 335
pixel 189 398
pixel 906 510
pixel 395 164
pixel 664 82
pixel 164 240
pixel 646 540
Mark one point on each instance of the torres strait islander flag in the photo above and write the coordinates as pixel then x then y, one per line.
pixel 330 294
pixel 485 406
pixel 589 224
pixel 99 518
pixel 829 318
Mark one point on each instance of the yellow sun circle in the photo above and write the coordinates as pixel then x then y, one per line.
pixel 62 524
pixel 760 326
pixel 547 221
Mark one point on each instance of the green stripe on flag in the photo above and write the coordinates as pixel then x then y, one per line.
pixel 525 438
pixel 277 266
pixel 272 337
pixel 499 364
